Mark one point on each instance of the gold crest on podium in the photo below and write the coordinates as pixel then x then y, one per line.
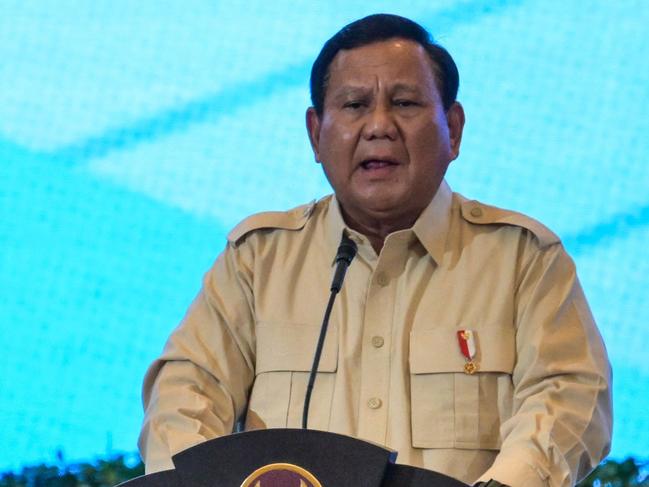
pixel 281 475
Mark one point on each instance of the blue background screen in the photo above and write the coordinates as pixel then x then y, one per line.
pixel 134 135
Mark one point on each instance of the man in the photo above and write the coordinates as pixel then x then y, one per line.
pixel 461 337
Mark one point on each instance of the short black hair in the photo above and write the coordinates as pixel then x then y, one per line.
pixel 376 28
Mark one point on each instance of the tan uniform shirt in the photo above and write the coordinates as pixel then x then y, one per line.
pixel 537 411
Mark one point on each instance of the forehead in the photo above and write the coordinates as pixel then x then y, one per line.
pixel 393 61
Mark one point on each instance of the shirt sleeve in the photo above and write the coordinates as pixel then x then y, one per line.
pixel 198 388
pixel 562 416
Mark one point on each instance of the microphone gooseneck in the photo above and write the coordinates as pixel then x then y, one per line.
pixel 346 253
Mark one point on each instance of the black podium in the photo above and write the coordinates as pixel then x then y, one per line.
pixel 290 458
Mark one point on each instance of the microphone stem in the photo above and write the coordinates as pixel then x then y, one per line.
pixel 316 358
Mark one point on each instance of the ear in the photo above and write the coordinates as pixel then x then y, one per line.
pixel 313 128
pixel 455 120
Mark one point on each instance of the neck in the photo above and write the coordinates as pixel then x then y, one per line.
pixel 377 229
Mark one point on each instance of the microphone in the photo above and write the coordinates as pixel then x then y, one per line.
pixel 346 253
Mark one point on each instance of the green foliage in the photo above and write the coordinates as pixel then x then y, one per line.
pixel 102 473
pixel 627 473
pixel 114 470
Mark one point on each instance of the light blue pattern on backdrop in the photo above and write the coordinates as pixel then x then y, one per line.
pixel 133 135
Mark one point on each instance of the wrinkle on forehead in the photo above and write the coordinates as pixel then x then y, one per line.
pixel 394 64
pixel 376 54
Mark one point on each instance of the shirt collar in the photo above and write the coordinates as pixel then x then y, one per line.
pixel 431 228
pixel 433 224
pixel 335 228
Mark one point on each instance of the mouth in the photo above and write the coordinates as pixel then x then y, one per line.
pixel 373 163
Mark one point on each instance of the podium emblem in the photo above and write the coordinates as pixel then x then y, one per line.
pixel 281 475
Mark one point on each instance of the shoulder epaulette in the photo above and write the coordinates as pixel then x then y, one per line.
pixel 481 214
pixel 294 219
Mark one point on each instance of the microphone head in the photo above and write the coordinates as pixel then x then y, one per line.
pixel 346 250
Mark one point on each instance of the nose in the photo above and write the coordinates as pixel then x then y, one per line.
pixel 380 124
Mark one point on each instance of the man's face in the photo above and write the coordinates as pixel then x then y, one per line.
pixel 383 138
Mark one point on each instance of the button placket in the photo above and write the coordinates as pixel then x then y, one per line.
pixel 376 356
pixel 377 336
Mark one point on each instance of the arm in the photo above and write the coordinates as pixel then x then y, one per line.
pixel 561 423
pixel 198 388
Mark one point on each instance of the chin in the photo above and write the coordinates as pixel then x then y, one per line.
pixel 386 207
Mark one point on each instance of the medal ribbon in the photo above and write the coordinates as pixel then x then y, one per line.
pixel 466 339
pixel 467 343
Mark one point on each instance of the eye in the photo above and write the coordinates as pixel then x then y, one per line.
pixel 353 105
pixel 405 103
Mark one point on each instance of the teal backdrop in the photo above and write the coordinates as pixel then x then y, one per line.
pixel 133 135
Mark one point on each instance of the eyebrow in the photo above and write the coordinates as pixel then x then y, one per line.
pixel 346 91
pixel 405 87
pixel 350 90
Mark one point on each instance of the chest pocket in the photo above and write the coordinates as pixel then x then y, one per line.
pixel 284 359
pixel 450 408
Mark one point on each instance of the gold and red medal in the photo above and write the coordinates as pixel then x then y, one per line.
pixel 466 340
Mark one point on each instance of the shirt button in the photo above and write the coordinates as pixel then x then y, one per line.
pixel 374 403
pixel 382 279
pixel 377 341
pixel 477 212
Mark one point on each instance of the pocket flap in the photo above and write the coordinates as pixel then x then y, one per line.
pixel 436 350
pixel 291 347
